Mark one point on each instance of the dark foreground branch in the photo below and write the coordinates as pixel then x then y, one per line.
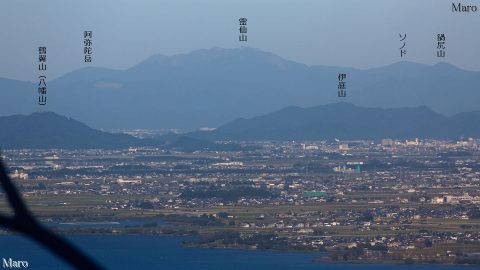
pixel 24 222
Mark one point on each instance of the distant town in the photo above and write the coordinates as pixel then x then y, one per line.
pixel 413 201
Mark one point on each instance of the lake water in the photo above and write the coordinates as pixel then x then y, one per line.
pixel 116 224
pixel 155 252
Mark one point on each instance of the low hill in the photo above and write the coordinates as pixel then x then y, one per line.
pixel 346 121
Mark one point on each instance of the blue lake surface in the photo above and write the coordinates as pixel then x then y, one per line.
pixel 131 252
pixel 123 223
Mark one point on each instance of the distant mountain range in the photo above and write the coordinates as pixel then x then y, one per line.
pixel 207 88
pixel 46 130
pixel 348 122
pixel 342 120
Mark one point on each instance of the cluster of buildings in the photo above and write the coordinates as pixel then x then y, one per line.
pixel 386 187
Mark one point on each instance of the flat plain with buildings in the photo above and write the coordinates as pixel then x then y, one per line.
pixel 414 201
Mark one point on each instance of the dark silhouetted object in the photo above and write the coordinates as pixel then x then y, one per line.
pixel 24 222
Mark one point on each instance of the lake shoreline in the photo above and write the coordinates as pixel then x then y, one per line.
pixel 173 242
pixel 68 229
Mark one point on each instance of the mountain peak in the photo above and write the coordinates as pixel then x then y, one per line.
pixel 50 130
pixel 209 87
pixel 45 113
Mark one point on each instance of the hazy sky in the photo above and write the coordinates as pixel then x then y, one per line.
pixel 351 33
